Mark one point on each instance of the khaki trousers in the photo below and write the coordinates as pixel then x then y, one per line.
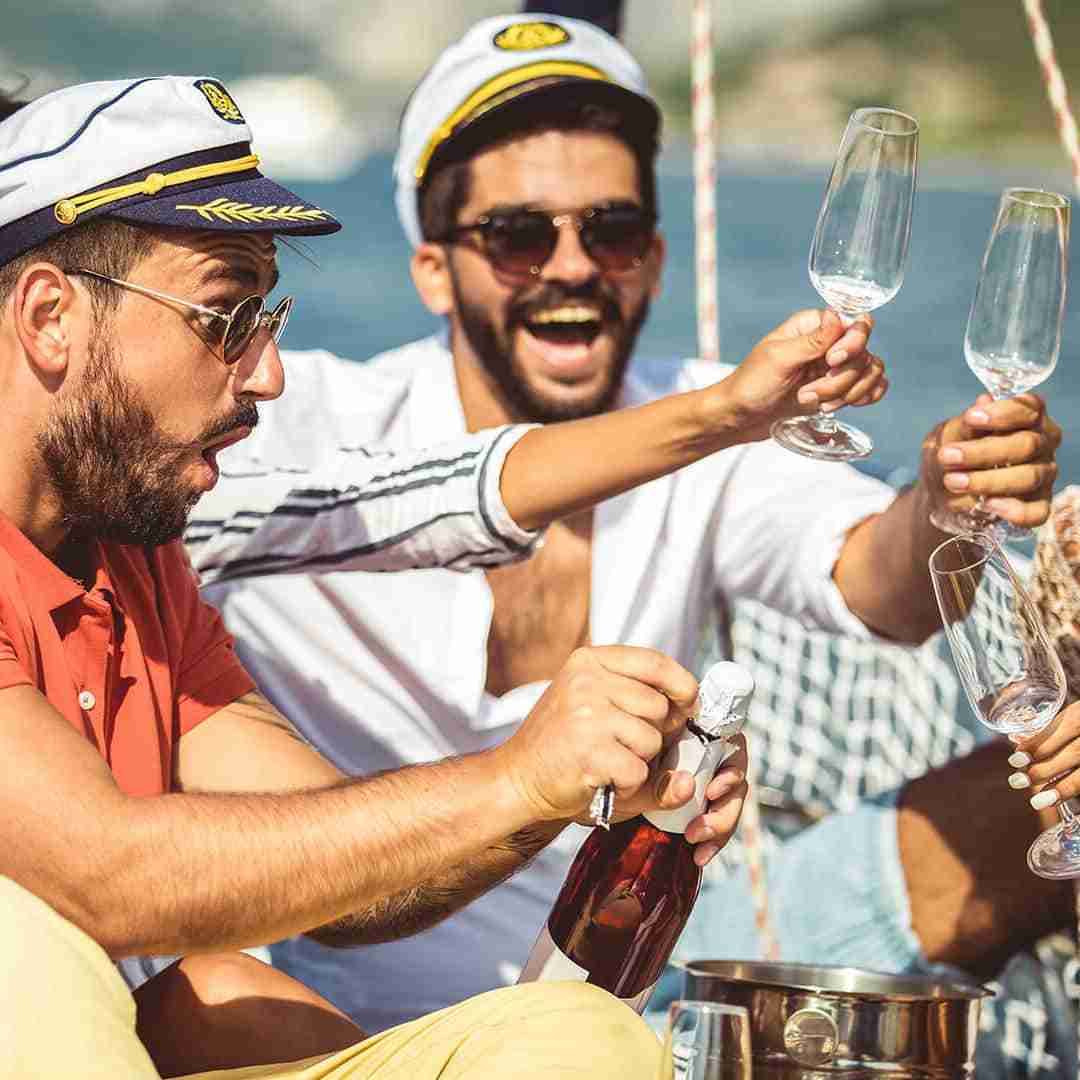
pixel 65 1012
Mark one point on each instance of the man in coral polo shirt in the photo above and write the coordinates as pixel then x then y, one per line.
pixel 153 803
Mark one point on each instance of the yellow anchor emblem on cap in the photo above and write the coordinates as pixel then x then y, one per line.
pixel 523 37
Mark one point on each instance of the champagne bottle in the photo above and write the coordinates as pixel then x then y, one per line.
pixel 630 888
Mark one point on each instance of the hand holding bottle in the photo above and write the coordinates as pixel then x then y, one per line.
pixel 631 887
pixel 604 717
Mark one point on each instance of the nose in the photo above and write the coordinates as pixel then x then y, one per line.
pixel 569 262
pixel 259 373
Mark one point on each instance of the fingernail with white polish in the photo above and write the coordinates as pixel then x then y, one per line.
pixel 1018 781
pixel 1019 760
pixel 1044 799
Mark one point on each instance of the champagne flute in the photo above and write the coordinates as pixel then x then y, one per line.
pixel 707 1040
pixel 859 251
pixel 1007 664
pixel 1014 328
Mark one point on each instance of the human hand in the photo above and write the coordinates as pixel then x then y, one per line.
pixel 1002 451
pixel 1046 763
pixel 810 360
pixel 601 721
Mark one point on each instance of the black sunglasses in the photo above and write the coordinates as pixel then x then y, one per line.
pixel 518 243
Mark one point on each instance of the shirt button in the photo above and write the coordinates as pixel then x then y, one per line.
pixel 87 700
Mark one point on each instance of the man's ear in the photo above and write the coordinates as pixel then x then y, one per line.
pixel 430 269
pixel 42 315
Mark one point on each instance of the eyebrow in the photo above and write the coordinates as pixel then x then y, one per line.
pixel 244 276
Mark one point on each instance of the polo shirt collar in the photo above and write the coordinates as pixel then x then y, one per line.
pixel 53 586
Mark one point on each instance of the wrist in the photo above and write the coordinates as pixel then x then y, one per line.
pixel 715 419
pixel 517 810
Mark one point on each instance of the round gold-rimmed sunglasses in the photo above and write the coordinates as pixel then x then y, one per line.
pixel 230 333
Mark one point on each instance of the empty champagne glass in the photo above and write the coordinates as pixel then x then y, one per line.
pixel 859 251
pixel 1007 665
pixel 1014 328
pixel 707 1040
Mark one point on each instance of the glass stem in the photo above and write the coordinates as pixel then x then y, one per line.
pixel 1069 812
pixel 824 422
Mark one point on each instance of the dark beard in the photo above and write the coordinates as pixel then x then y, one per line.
pixel 115 472
pixel 495 351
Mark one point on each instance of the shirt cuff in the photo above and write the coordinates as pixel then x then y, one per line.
pixel 214 693
pixel 493 510
pixel 830 532
pixel 12 673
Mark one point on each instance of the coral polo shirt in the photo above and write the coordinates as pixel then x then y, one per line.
pixel 133 664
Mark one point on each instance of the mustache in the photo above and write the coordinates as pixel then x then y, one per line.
pixel 553 294
pixel 245 415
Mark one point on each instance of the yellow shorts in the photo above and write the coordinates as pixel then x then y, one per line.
pixel 66 1012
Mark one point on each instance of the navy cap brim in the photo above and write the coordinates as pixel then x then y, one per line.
pixel 233 200
pixel 500 119
pixel 253 203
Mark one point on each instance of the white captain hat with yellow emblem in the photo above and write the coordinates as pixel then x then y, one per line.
pixel 161 151
pixel 479 82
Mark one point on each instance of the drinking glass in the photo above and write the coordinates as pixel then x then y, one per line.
pixel 1014 327
pixel 859 251
pixel 707 1040
pixel 1007 665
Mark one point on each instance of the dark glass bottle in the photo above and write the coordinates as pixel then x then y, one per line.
pixel 631 888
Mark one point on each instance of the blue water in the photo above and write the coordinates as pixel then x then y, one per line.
pixel 361 299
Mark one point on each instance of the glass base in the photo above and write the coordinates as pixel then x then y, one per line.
pixel 823 438
pixel 1056 852
pixel 956 522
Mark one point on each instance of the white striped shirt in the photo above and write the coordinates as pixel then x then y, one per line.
pixel 337 504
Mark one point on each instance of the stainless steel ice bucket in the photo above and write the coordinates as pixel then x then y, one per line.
pixel 832 1022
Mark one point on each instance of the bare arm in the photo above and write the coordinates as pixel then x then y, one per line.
pixel 250 745
pixel 198 871
pixel 453 888
pixel 973 901
pixel 192 872
pixel 616 451
pixel 1001 450
pixel 251 742
pixel 466 504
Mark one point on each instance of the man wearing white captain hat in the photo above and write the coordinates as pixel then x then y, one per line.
pixel 136 254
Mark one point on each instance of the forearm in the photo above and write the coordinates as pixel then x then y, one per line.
pixel 963 836
pixel 430 902
pixel 559 469
pixel 882 570
pixel 202 872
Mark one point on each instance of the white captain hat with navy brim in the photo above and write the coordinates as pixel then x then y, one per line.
pixel 499 64
pixel 161 151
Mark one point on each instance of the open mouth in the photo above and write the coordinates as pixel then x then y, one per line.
pixel 571 324
pixel 211 452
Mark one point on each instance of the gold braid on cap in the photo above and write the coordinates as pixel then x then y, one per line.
pixel 68 210
pixel 475 103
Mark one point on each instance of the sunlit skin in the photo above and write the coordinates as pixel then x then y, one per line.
pixel 554 171
pixel 46 333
